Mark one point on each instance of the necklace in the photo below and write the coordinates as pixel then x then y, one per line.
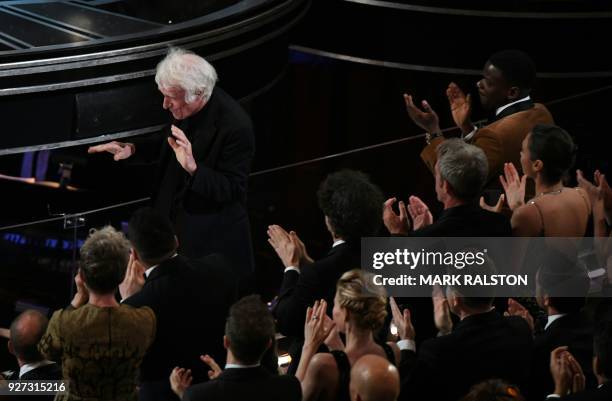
pixel 555 192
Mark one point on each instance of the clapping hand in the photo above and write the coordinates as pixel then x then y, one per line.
pixel 180 379
pixel 215 370
pixel 182 149
pixel 82 295
pixel 286 245
pixel 498 206
pixel 428 119
pixel 119 150
pixel 134 278
pixel 442 315
pixel 461 107
pixel 403 322
pixel 396 224
pixel 514 186
pixel 516 309
pixel 419 213
pixel 316 327
pixel 566 372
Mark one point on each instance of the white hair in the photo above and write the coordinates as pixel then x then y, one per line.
pixel 185 69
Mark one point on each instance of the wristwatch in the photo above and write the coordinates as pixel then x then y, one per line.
pixel 431 135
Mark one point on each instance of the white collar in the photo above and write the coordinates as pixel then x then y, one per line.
pixel 339 242
pixel 150 269
pixel 552 318
pixel 505 106
pixel 31 366
pixel 239 366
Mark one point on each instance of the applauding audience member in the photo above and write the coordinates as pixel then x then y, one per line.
pixel 373 378
pixel 177 289
pixel 100 342
pixel 504 90
pixel 359 312
pixel 249 331
pixel 483 345
pixel 556 211
pixel 460 173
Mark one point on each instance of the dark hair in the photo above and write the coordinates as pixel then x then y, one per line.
pixel 352 203
pixel 477 297
pixel 151 235
pixel 564 281
pixel 555 148
pixel 516 66
pixel 25 337
pixel 602 347
pixel 493 390
pixel 249 328
pixel 104 259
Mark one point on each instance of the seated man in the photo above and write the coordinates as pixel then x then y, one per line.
pixel 25 333
pixel 373 378
pixel 505 88
pixel 460 173
pixel 483 345
pixel 248 333
pixel 190 298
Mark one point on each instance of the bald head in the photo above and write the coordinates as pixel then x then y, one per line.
pixel 26 331
pixel 373 378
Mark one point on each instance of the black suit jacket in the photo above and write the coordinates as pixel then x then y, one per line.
pixel 48 372
pixel 316 281
pixel 208 208
pixel 246 384
pixel 191 300
pixel 574 330
pixel 480 347
pixel 469 220
pixel 604 393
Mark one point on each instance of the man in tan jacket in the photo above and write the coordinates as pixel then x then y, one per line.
pixel 504 89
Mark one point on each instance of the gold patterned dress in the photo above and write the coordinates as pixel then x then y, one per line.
pixel 100 349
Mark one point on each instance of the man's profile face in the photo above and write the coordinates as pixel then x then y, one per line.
pixel 492 88
pixel 174 101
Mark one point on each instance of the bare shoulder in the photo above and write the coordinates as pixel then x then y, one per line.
pixel 323 364
pixel 526 220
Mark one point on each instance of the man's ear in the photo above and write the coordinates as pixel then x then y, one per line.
pixel 9 345
pixel 176 242
pixel 546 300
pixel 514 93
pixel 226 342
pixel 596 366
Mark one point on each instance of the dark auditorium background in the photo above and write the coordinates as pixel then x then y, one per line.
pixel 321 79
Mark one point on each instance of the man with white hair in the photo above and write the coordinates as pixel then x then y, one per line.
pixel 204 166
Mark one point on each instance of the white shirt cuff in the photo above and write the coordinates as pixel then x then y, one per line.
pixel 406 345
pixel 289 268
pixel 550 396
pixel 469 136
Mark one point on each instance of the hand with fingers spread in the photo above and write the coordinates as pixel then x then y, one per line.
pixel 419 213
pixel 215 370
pixel 514 186
pixel 516 309
pixel 119 150
pixel 316 327
pixel 599 193
pixel 428 119
pixel 180 380
pixel 82 294
pixel 442 315
pixel 396 224
pixel 134 278
pixel 182 149
pixel 461 107
pixel 499 206
pixel 285 245
pixel 403 322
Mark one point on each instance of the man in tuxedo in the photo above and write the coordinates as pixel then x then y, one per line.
pixel 460 174
pixel 564 372
pixel 561 288
pixel 203 165
pixel 483 345
pixel 190 299
pixel 25 333
pixel 249 331
pixel 504 91
pixel 351 205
